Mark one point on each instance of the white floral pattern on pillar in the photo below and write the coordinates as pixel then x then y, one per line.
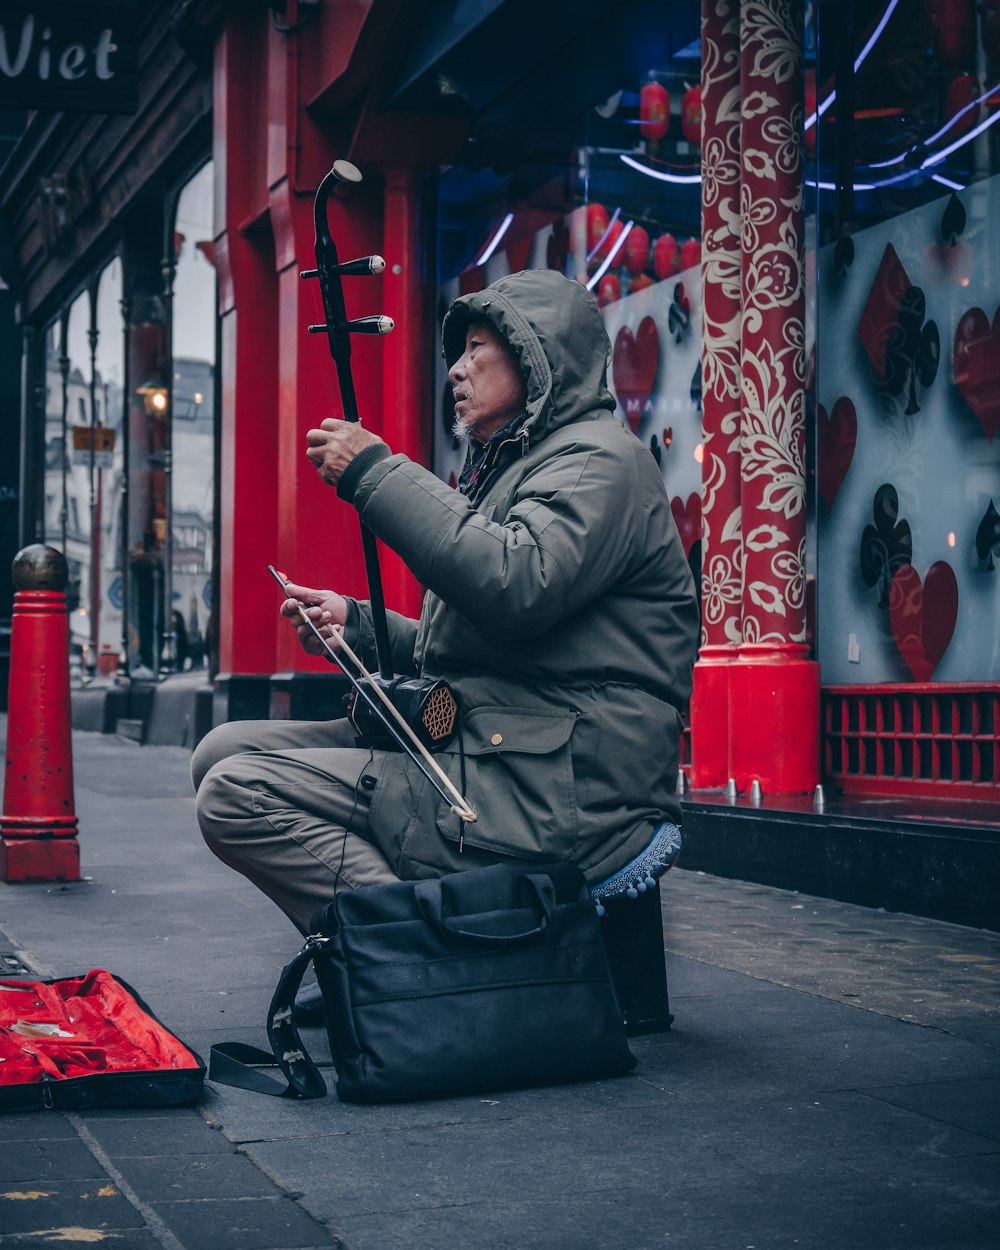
pixel 772 355
pixel 722 566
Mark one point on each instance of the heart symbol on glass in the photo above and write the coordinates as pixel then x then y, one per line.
pixel 977 366
pixel 837 437
pixel 922 616
pixel 634 363
pixel 687 517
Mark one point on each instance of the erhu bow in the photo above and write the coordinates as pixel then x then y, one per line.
pixel 417 713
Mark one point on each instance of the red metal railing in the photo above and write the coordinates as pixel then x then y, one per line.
pixel 932 739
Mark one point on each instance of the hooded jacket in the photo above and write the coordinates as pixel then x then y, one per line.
pixel 559 606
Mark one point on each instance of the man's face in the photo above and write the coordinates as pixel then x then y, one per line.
pixel 487 383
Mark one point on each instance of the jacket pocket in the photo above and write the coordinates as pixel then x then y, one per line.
pixel 519 780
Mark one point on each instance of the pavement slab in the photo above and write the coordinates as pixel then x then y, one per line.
pixel 832 1079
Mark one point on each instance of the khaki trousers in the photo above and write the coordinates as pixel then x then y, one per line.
pixel 286 804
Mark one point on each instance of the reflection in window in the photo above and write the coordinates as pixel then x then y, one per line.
pixel 109 463
pixel 80 488
pixel 617 209
pixel 53 515
pixel 907 161
pixel 193 422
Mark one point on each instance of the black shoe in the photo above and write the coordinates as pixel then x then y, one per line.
pixel 308 1011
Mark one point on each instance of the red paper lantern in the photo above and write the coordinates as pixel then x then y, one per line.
pixel 666 257
pixel 654 111
pixel 962 91
pixel 640 282
pixel 609 289
pixel 636 250
pixel 597 223
pixel 611 237
pixel 691 254
pixel 691 115
pixel 810 106
pixel 952 35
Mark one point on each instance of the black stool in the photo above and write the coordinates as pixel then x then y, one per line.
pixel 628 903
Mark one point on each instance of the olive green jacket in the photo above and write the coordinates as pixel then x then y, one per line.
pixel 559 607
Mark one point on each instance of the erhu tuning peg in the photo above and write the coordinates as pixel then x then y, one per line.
pixel 377 324
pixel 364 265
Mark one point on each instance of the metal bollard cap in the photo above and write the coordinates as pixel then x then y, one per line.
pixel 40 567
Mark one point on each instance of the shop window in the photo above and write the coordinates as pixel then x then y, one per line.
pixel 618 209
pixel 79 485
pixel 109 466
pixel 906 162
pixel 193 423
pixel 171 369
pixel 52 529
pixel 148 459
pixel 82 369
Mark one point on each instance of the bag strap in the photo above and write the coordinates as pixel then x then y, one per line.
pixel 237 1064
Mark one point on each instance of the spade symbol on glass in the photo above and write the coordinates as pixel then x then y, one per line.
pixel 696 386
pixel 843 254
pixel 988 537
pixel 654 447
pixel 953 219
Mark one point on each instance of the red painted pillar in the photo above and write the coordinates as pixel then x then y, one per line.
pixel 775 687
pixel 248 502
pixel 38 826
pixel 407 402
pixel 318 534
pixel 721 545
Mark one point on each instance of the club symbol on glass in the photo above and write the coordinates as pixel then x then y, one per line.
pixel 886 546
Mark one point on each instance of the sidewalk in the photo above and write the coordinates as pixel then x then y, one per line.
pixel 831 1081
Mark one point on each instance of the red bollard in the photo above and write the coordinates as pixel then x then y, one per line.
pixel 38 825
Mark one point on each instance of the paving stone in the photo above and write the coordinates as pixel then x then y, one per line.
pixel 162 1178
pixel 139 1136
pixel 909 967
pixel 63 1204
pixel 806 1210
pixel 49 1159
pixel 109 1238
pixel 970 1105
pixel 250 1224
pixel 33 1126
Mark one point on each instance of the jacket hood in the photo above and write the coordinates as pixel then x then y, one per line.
pixel 556 330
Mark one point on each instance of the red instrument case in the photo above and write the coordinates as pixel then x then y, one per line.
pixel 89 1041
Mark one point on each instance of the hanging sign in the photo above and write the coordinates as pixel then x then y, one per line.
pixel 61 54
pixel 98 440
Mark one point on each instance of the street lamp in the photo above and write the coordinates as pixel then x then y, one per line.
pixel 156 400
pixel 154 396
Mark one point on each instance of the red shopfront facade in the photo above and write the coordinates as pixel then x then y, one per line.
pixel 790 242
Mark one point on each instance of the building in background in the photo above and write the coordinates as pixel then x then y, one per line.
pixel 788 214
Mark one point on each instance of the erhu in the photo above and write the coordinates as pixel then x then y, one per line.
pixel 413 714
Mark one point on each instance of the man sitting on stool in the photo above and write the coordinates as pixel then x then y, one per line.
pixel 560 609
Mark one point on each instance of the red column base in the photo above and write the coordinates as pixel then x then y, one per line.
pixel 755 716
pixel 711 719
pixel 775 719
pixel 39 859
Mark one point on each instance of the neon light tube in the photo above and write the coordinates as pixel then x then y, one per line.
pixel 606 263
pixel 491 247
